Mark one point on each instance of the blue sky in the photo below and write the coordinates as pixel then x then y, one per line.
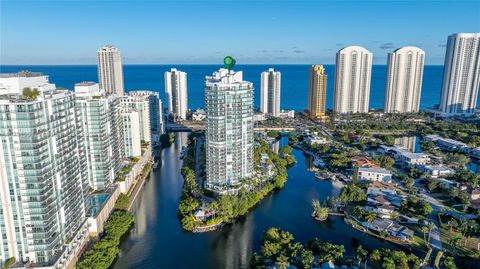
pixel 70 32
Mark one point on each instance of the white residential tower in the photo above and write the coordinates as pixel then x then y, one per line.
pixel 229 130
pixel 270 92
pixel 404 80
pixel 176 93
pixel 352 80
pixel 461 75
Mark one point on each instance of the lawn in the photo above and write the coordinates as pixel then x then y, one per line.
pixel 464 250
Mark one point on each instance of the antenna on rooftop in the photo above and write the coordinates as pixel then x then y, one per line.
pixel 228 62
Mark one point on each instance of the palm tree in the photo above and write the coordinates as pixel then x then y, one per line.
pixel 464 229
pixel 361 254
pixel 452 223
pixel 430 227
pixel 282 262
pixel 394 215
pixel 455 242
pixel 376 255
pixel 371 216
pixel 425 231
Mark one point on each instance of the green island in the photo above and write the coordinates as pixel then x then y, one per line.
pixel 200 210
pixel 280 250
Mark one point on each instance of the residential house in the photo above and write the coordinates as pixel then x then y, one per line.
pixel 374 174
pixel 436 171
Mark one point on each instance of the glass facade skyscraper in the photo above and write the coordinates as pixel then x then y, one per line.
pixel 229 130
pixel 102 124
pixel 43 191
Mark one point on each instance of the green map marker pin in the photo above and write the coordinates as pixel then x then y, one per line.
pixel 229 62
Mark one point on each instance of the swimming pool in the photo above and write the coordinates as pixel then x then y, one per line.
pixel 97 201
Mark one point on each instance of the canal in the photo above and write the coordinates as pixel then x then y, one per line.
pixel 158 241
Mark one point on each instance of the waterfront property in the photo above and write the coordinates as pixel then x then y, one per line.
pixel 102 205
pixel 374 174
pixel 403 157
pixel 102 126
pixel 395 230
pixel 128 175
pixel 43 182
pixel 270 92
pixel 446 143
pixel 352 80
pixel 229 130
pixel 110 70
pixel 176 94
pixel 436 171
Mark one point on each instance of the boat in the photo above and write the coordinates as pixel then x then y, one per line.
pixel 321 175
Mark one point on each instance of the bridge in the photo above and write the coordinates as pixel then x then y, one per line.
pixel 189 126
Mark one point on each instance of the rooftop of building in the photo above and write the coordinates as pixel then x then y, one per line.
pixel 374 170
pixel 21 74
pixel 227 77
pixel 85 83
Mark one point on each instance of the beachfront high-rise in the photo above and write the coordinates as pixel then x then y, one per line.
pixel 142 106
pixel 131 132
pixel 317 91
pixel 176 93
pixel 229 130
pixel 110 70
pixel 461 75
pixel 102 124
pixel 43 189
pixel 352 80
pixel 404 80
pixel 155 108
pixel 270 92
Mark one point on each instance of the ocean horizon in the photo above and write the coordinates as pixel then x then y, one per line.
pixel 294 84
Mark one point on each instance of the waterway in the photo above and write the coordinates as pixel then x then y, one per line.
pixel 158 241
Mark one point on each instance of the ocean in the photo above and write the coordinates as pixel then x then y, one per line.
pixel 293 91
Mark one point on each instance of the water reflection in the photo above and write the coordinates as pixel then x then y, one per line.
pixel 275 146
pixel 309 159
pixel 408 142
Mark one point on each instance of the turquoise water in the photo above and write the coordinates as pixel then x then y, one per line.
pixel 294 81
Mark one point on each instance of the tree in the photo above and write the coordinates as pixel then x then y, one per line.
pixel 452 224
pixel 409 182
pixel 424 208
pixel 326 251
pixel 123 202
pixel 430 227
pixel 285 150
pixel 371 216
pixel 273 134
pixel 386 162
pixel 455 242
pixel 352 193
pixel 320 213
pixel 282 262
pixel 30 94
pixel 360 255
pixel 273 241
pixel 188 222
pixel 449 263
pixel 307 258
pixel 425 231
pixel 456 159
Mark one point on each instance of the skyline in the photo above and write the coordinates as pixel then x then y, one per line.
pixel 175 33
